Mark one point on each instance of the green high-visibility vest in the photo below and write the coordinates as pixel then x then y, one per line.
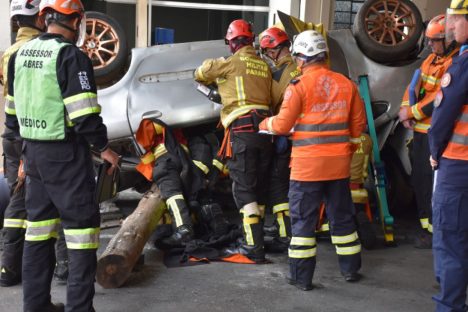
pixel 38 100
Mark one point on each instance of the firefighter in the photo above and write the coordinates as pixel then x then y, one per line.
pixel 415 113
pixel 328 117
pixel 244 83
pixel 359 194
pixel 52 100
pixel 275 44
pixel 26 14
pixel 168 164
pixel 448 142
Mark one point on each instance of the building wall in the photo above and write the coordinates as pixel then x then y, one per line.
pixel 4 25
pixel 321 11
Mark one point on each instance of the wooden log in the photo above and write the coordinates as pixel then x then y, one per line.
pixel 117 261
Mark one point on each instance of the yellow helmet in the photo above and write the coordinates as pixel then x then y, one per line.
pixel 458 7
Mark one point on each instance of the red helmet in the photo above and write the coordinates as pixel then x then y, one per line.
pixel 272 37
pixel 239 28
pixel 436 28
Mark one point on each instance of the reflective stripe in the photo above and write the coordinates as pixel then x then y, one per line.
pixel 42 230
pixel 303 241
pixel 82 104
pixel 281 224
pixel 430 79
pixel 251 220
pixel 246 222
pixel 422 126
pixel 159 151
pixel 236 113
pixel 324 228
pixel 14 223
pixel 201 166
pixel 463 118
pixel 405 103
pixel 172 203
pixel 82 238
pixel 416 113
pixel 240 90
pixel 321 140
pixel 147 158
pixel 322 127
pixel 346 251
pixel 10 105
pixel 429 228
pixel 424 222
pixel 302 254
pixel 280 207
pixel 459 139
pixel 218 164
pixel 345 239
pixel 355 140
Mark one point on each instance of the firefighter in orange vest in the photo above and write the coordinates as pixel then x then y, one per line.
pixel 327 115
pixel 244 83
pixel 415 113
pixel 275 44
pixel 448 142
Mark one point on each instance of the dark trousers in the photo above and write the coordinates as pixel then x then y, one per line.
pixel 166 175
pixel 279 178
pixel 450 246
pixel 13 232
pixel 60 183
pixel 304 200
pixel 248 167
pixel 422 177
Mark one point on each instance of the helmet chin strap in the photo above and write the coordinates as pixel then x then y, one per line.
pixel 450 48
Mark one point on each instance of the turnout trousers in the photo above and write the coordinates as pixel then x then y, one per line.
pixel 166 175
pixel 450 246
pixel 421 178
pixel 14 221
pixel 305 199
pixel 278 190
pixel 249 166
pixel 60 189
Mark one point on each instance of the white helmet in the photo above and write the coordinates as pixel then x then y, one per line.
pixel 309 43
pixel 24 7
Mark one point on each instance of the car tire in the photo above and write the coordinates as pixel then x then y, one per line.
pixel 388 30
pixel 106 46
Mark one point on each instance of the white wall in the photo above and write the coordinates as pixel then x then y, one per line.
pixel 4 25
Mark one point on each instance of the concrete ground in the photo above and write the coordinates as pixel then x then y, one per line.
pixel 395 279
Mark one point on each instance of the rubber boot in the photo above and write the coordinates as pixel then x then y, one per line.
pixel 282 237
pixel 301 272
pixel 212 215
pixel 253 243
pixel 10 272
pixel 366 231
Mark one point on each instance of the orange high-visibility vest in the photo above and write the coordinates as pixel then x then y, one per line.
pixel 457 147
pixel 432 70
pixel 323 129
